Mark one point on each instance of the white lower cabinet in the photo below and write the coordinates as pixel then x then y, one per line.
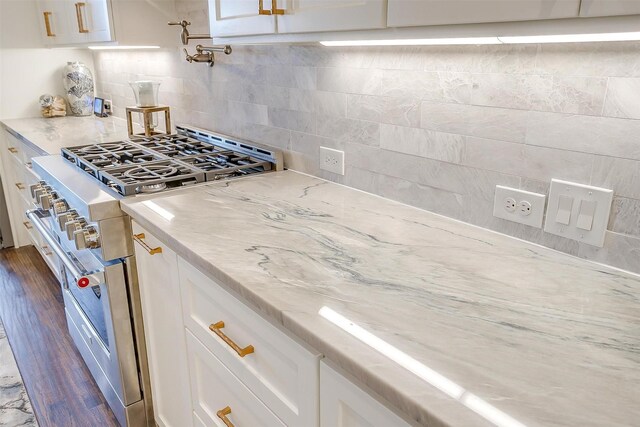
pixel 344 404
pixel 281 372
pixel 214 361
pixel 164 331
pixel 219 396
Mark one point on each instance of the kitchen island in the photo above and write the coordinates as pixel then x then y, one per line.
pixel 469 327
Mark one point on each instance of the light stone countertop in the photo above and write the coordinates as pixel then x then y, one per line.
pixel 498 331
pixel 49 135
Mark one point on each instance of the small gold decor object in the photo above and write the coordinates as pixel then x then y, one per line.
pixel 148 121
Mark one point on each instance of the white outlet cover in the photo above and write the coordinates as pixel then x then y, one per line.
pixel 533 218
pixel 578 193
pixel 332 160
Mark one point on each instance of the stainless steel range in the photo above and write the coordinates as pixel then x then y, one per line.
pixel 79 216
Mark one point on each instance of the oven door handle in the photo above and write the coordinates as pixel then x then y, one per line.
pixel 82 277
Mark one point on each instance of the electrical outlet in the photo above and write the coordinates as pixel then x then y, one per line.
pixel 108 106
pixel 332 160
pixel 519 206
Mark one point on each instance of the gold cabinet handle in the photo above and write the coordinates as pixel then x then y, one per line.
pixel 13 150
pixel 274 8
pixel 261 9
pixel 222 414
pixel 79 7
pixel 46 250
pixel 152 251
pixel 27 225
pixel 20 186
pixel 47 24
pixel 242 352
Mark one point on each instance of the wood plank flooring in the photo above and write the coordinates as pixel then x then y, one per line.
pixel 61 389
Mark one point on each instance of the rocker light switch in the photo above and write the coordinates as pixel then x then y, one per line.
pixel 585 217
pixel 578 212
pixel 565 203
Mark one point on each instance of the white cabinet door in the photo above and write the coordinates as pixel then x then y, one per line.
pixel 302 16
pixel 590 8
pixel 240 18
pixel 343 404
pixel 407 13
pixel 54 22
pixel 164 332
pixel 90 21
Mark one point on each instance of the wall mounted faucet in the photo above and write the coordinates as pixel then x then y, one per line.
pixel 203 53
pixel 184 34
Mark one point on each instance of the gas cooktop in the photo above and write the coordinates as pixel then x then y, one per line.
pixel 155 163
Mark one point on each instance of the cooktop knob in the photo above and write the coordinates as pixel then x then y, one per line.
pixel 46 199
pixel 66 217
pixel 73 226
pixel 60 206
pixel 87 238
pixel 34 187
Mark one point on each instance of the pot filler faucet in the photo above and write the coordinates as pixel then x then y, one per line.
pixel 203 53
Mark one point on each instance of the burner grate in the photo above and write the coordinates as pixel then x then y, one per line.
pixel 151 176
pixel 177 146
pixel 226 163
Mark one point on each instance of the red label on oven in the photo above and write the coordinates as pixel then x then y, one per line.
pixel 83 282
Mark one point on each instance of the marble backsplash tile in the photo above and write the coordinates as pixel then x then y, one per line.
pixel 435 127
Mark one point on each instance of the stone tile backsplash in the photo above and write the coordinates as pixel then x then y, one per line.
pixel 433 127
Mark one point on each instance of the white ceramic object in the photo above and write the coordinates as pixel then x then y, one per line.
pixel 78 85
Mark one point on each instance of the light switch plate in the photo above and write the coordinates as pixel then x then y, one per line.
pixel 520 206
pixel 583 198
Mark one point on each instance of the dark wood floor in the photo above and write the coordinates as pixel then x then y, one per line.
pixel 60 387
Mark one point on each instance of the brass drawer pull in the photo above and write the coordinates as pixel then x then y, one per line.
pixel 79 7
pixel 13 150
pixel 242 352
pixel 47 24
pixel 261 9
pixel 27 225
pixel 222 414
pixel 46 250
pixel 152 251
pixel 20 186
pixel 274 8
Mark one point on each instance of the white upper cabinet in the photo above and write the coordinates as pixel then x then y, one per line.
pixel 54 22
pixel 407 13
pixel 590 8
pixel 125 22
pixel 252 17
pixel 92 22
pixel 331 15
pixel 240 18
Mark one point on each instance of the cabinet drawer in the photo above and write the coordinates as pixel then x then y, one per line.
pixel 282 373
pixel 344 404
pixel 214 387
pixel 14 147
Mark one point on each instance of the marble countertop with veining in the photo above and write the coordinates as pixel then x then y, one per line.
pixel 476 328
pixel 49 135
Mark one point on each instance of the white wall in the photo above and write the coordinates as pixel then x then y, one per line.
pixel 27 69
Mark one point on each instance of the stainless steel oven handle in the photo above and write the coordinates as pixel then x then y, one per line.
pixel 80 275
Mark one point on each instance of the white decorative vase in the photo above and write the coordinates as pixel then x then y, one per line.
pixel 78 83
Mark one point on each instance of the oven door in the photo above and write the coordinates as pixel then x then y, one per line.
pixel 97 306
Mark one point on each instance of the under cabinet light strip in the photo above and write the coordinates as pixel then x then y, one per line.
pixel 558 38
pixel 122 47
